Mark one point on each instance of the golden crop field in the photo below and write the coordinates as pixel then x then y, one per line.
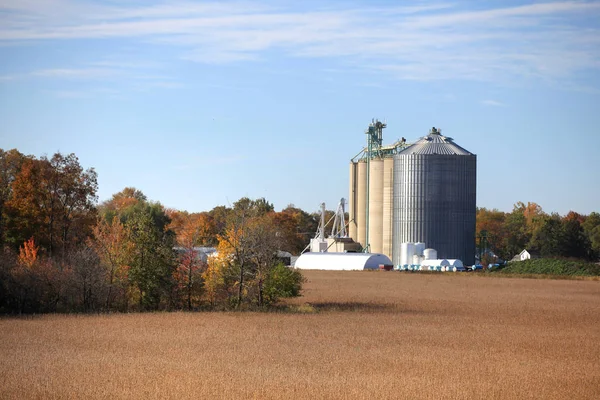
pixel 353 335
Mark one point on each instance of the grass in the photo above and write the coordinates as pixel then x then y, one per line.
pixel 353 335
pixel 552 266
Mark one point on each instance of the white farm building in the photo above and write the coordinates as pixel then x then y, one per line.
pixel 342 261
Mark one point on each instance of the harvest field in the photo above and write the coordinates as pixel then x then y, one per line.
pixel 352 335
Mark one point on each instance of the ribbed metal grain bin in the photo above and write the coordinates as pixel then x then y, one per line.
pixel 435 184
pixel 352 228
pixel 376 206
pixel 388 201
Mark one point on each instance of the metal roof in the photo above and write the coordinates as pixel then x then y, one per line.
pixel 435 143
pixel 341 261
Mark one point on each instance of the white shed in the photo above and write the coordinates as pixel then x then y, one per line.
pixel 341 261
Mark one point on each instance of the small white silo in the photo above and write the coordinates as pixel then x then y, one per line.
pixel 430 254
pixel 419 248
pixel 407 251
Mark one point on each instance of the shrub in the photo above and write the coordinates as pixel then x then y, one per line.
pixel 282 282
pixel 553 266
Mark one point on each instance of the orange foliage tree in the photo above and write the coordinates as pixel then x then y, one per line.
pixel 28 253
pixel 191 230
pixel 114 249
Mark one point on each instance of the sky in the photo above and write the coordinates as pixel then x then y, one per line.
pixel 198 104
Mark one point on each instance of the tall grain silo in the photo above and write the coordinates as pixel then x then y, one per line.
pixel 435 184
pixel 352 227
pixel 376 206
pixel 388 201
pixel 361 202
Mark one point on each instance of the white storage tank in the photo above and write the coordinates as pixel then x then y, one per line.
pixel 419 248
pixel 407 251
pixel 416 259
pixel 430 254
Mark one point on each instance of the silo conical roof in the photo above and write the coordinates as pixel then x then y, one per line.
pixel 435 143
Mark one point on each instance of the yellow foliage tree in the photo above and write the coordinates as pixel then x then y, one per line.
pixel 28 253
pixel 218 270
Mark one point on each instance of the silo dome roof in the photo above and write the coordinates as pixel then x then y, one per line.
pixel 435 143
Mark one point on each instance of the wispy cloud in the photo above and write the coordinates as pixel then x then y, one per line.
pixel 137 76
pixel 75 73
pixel 493 103
pixel 549 41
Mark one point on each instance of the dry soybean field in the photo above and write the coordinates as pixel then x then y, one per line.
pixel 353 335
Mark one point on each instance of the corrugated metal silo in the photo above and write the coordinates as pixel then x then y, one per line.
pixel 435 184
pixel 376 206
pixel 361 202
pixel 352 203
pixel 388 201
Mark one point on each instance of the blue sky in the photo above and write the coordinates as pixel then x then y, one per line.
pixel 200 103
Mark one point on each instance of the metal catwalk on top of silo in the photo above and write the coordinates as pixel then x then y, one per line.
pixel 435 182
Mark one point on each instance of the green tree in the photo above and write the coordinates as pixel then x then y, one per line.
pixel 153 260
pixel 517 236
pixel 549 238
pixel 220 216
pixel 591 229
pixel 253 208
pixel 576 244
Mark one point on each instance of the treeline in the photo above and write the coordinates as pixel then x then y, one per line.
pixel 62 252
pixel 527 226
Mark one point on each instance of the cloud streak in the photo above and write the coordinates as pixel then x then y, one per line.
pixel 493 103
pixel 548 41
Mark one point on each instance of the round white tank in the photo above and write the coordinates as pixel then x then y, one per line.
pixel 416 259
pixel 430 254
pixel 407 251
pixel 419 248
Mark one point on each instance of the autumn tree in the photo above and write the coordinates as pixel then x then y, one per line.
pixel 191 230
pixel 50 197
pixel 305 227
pixel 28 253
pixel 110 241
pixel 264 242
pixel 252 239
pixel 11 162
pixel 492 224
pixel 121 202
pixel 87 285
pixel 23 214
pixel 287 232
